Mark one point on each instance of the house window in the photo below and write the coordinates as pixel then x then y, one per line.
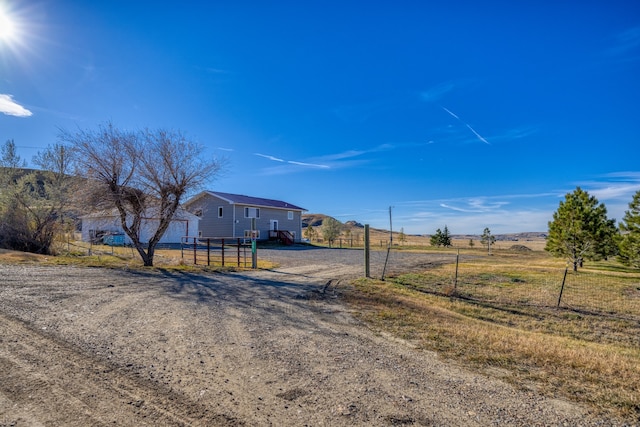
pixel 252 212
pixel 199 233
pixel 198 213
pixel 289 214
pixel 219 211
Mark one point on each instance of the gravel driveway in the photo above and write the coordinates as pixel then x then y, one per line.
pixel 87 346
pixel 349 263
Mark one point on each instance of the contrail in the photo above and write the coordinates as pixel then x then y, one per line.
pixel 480 137
pixel 308 164
pixel 275 159
pixel 477 134
pixel 448 111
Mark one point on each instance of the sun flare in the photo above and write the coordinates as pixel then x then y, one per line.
pixel 7 27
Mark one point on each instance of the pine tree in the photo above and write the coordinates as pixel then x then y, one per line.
pixel 630 240
pixel 441 238
pixel 436 238
pixel 580 230
pixel 445 239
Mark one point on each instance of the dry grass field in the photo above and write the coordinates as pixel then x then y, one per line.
pixel 496 314
pixel 501 318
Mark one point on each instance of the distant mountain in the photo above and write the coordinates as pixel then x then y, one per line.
pixel 315 220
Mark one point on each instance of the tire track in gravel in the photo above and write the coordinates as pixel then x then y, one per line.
pixel 48 382
pixel 154 347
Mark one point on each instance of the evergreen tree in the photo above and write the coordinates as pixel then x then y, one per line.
pixel 445 239
pixel 581 230
pixel 630 228
pixel 436 238
pixel 441 238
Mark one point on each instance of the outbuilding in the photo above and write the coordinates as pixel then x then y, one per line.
pixel 106 227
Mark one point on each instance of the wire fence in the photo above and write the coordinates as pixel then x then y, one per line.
pixel 599 293
pixel 193 250
pixel 169 253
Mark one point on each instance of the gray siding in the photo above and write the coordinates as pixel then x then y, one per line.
pixel 267 215
pixel 233 222
pixel 210 224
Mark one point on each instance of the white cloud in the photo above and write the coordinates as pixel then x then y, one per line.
pixel 11 108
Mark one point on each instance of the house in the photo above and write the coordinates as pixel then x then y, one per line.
pixel 105 227
pixel 225 215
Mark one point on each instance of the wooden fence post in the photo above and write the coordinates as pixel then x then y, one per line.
pixel 366 251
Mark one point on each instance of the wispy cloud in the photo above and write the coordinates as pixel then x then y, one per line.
pixel 615 190
pixel 480 137
pixel 509 213
pixel 11 108
pixel 476 205
pixel 626 42
pixel 212 70
pixel 515 133
pixel 349 154
pixel 224 149
pixel 437 92
pixel 334 161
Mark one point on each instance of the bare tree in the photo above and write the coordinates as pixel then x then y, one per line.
pixel 33 203
pixel 487 239
pixel 143 175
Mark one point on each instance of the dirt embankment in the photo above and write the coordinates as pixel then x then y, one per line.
pixel 82 346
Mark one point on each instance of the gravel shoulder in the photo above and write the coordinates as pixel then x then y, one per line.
pixel 87 346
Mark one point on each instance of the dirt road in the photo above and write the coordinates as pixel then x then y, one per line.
pixel 86 346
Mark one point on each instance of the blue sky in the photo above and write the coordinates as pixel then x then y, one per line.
pixel 465 114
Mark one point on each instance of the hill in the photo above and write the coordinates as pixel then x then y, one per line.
pixel 316 220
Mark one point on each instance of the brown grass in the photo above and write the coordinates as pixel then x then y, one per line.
pixel 581 356
pixel 117 257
